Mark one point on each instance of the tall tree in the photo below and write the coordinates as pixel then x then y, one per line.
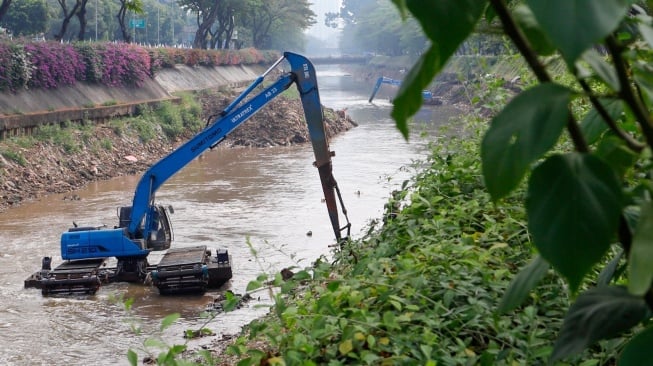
pixel 27 17
pixel 349 12
pixel 4 8
pixel 381 30
pixel 264 15
pixel 224 25
pixel 215 21
pixel 81 17
pixel 68 13
pixel 135 6
pixel 206 12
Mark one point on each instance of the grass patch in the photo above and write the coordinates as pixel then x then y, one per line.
pixel 106 144
pixel 14 156
pixel 58 135
pixel 144 127
pixel 118 126
pixel 169 116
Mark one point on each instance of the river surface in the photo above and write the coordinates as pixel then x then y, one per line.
pixel 269 198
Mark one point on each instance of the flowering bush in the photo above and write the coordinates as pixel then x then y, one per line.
pixel 54 64
pixel 51 64
pixel 5 66
pixel 160 58
pixel 124 64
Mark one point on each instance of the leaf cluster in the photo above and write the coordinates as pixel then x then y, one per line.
pixel 581 143
pixel 422 287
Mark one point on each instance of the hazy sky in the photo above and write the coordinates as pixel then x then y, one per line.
pixel 319 8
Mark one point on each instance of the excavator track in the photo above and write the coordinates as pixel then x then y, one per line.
pixel 181 270
pixel 70 278
pixel 191 269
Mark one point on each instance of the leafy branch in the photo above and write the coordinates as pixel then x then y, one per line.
pixel 578 201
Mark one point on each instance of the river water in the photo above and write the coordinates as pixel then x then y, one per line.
pixel 269 198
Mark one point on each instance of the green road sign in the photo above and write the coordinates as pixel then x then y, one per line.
pixel 137 23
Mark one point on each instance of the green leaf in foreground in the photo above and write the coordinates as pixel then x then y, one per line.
pixel 603 69
pixel 168 320
pixel 608 272
pixel 599 313
pixel 523 283
pixel 573 206
pixel 132 357
pixel 409 96
pixel 447 23
pixel 638 351
pixel 593 125
pixel 575 25
pixel 640 260
pixel 527 23
pixel 526 128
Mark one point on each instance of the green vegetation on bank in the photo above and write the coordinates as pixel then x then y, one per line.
pixel 590 199
pixel 169 120
pixel 423 286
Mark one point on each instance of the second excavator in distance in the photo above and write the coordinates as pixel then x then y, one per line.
pixel 145 225
pixel 427 96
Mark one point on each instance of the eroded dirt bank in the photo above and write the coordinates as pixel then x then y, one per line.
pixel 100 152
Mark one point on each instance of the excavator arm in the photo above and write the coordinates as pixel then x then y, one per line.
pixel 426 94
pixel 136 235
pixel 302 73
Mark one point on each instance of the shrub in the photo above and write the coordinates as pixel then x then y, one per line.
pixel 15 67
pixel 14 156
pixel 144 127
pixel 51 64
pixel 92 61
pixel 191 113
pixel 124 64
pixel 55 64
pixel 170 120
pixel 60 136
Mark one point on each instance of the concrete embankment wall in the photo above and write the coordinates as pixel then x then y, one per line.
pixel 21 112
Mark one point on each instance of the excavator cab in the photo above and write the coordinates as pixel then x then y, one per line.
pixel 161 234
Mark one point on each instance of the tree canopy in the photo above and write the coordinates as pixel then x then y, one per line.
pixel 376 26
pixel 27 17
pixel 207 24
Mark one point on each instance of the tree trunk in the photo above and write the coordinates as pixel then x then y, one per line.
pixel 4 8
pixel 123 28
pixel 203 29
pixel 81 17
pixel 67 16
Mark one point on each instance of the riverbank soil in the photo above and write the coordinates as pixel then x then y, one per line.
pixel 29 171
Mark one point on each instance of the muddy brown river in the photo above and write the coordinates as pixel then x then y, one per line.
pixel 268 197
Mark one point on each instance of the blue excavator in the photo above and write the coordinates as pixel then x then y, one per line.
pixel 427 96
pixel 145 226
